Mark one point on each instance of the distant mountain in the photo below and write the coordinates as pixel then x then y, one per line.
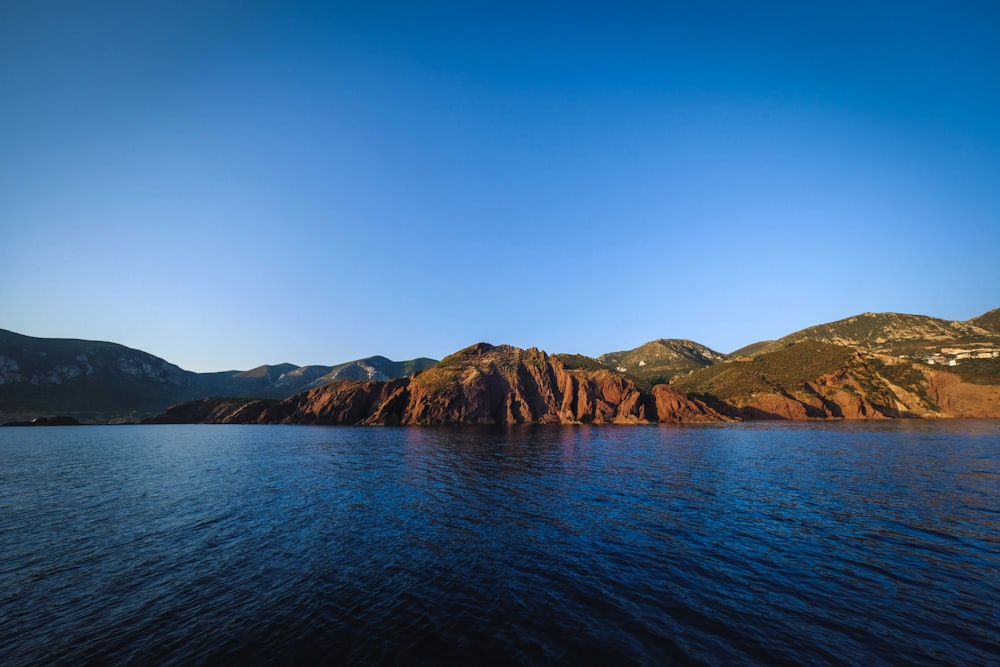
pixel 482 384
pixel 96 381
pixel 659 360
pixel 85 379
pixel 283 380
pixel 277 381
pixel 655 362
pixel 372 368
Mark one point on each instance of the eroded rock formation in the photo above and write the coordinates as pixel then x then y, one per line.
pixel 482 384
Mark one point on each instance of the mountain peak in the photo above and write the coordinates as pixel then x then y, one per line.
pixel 660 359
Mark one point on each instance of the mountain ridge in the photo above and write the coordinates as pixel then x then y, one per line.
pixel 871 365
pixel 887 332
pixel 481 384
pixel 99 381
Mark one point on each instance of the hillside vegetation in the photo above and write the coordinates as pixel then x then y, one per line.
pixel 660 360
pixel 891 333
pixel 807 379
pixel 989 321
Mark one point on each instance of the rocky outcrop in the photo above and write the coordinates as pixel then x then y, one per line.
pixel 342 402
pixel 808 403
pixel 957 398
pixel 213 410
pixel 484 384
pixel 671 406
pixel 842 394
pixel 481 384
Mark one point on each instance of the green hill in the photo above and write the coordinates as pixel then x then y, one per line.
pixel 373 368
pixel 660 360
pixel 782 369
pixel 896 334
pixel 751 350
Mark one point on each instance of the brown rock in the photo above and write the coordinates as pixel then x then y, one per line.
pixel 341 402
pixel 674 407
pixel 484 384
pixel 963 400
pixel 213 410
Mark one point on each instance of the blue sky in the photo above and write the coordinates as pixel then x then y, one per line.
pixel 229 184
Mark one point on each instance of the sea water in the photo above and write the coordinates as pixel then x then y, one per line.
pixel 749 544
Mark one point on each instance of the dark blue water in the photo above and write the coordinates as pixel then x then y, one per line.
pixel 721 545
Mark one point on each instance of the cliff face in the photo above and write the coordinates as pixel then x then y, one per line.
pixel 342 402
pixel 957 398
pixel 213 411
pixel 504 385
pixel 482 384
pixel 837 395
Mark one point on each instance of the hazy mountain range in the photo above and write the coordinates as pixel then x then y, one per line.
pixel 873 365
pixel 98 382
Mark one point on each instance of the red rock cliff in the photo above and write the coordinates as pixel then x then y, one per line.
pixel 484 384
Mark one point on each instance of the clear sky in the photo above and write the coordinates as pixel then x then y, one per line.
pixel 230 184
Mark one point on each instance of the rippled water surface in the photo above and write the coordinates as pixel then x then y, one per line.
pixel 737 545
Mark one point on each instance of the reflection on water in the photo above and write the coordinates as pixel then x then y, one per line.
pixel 820 543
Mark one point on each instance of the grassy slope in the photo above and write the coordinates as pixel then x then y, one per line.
pixel 752 349
pixel 989 321
pixel 660 360
pixel 579 362
pixel 893 333
pixel 787 368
